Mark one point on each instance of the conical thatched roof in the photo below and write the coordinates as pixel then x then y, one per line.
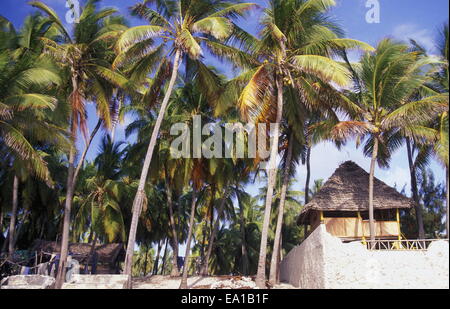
pixel 348 190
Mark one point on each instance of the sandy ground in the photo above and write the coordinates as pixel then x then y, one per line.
pixel 223 282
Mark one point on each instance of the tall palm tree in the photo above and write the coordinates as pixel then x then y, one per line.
pixel 297 41
pixel 276 244
pixel 85 56
pixel 182 25
pixel 381 113
pixel 442 79
pixel 24 104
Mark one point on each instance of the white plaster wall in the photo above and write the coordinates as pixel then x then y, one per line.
pixel 323 261
pixel 297 265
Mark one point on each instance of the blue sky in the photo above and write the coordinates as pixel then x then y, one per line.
pixel 401 19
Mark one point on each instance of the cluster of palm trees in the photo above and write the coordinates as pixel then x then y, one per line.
pixel 294 74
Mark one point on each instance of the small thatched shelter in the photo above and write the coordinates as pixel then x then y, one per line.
pixel 105 257
pixel 343 204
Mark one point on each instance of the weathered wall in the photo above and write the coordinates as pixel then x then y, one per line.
pixel 297 265
pixel 333 264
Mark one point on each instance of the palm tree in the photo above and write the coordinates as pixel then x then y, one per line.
pixel 104 194
pixel 183 26
pixel 442 78
pixel 297 42
pixel 24 106
pixel 381 113
pixel 225 183
pixel 86 59
pixel 276 245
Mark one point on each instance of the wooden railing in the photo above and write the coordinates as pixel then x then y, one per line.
pixel 404 244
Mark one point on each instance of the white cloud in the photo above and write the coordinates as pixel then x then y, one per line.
pixel 406 32
pixel 397 177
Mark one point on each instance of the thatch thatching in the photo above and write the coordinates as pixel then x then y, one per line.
pixel 106 254
pixel 348 190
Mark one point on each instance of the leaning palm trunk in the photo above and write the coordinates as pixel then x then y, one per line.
pixel 69 196
pixel 371 176
pixel 71 182
pixel 183 284
pixel 204 270
pixel 174 272
pixel 276 245
pixel 414 190
pixel 66 222
pixel 140 195
pixel 85 151
pixel 12 223
pixel 261 274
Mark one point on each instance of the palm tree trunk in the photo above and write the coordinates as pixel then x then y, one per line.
pixel 244 254
pixel 448 211
pixel 174 243
pixel 371 176
pixel 155 266
pixel 204 270
pixel 116 118
pixel 414 189
pixel 20 226
pixel 1 220
pixel 183 284
pixel 12 223
pixel 85 151
pixel 60 278
pixel 202 245
pixel 145 261
pixel 280 257
pixel 163 266
pixel 261 274
pixel 308 174
pixel 276 245
pixel 140 195
pixel 91 253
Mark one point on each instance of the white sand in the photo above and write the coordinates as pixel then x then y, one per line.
pixel 224 282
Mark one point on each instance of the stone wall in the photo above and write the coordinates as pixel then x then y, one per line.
pixel 323 261
pixel 303 266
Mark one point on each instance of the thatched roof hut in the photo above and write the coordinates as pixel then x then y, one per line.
pixel 347 190
pixel 107 256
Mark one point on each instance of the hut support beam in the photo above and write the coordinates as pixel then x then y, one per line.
pixel 362 227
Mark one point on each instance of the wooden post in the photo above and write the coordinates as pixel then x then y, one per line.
pixel 399 244
pixel 362 228
pixel 321 217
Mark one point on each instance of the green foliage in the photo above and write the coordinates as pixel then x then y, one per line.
pixel 432 201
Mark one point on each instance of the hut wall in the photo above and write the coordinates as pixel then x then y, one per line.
pixel 334 264
pixel 356 228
